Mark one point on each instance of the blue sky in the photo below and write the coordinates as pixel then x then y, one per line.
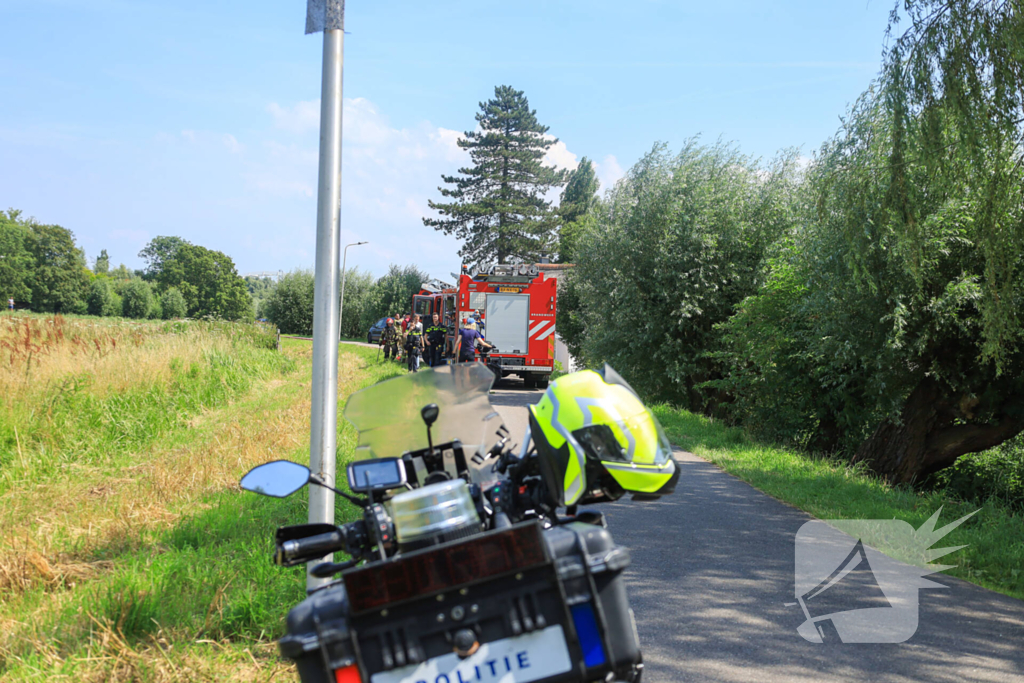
pixel 127 119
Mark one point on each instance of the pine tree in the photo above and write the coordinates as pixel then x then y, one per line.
pixel 498 206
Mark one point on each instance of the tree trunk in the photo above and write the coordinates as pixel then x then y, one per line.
pixel 926 439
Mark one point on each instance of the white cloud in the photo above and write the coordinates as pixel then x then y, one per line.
pixel 608 172
pixel 388 175
pixel 449 140
pixel 189 135
pixel 299 118
pixel 560 157
pixel 233 145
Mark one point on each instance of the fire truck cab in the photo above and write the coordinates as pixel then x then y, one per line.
pixel 514 306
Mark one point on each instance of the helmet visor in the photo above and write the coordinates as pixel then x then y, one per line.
pixel 637 439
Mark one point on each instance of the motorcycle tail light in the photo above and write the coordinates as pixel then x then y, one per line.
pixel 347 674
pixel 425 572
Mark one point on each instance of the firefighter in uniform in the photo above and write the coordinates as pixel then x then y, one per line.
pixel 414 343
pixel 389 340
pixel 435 341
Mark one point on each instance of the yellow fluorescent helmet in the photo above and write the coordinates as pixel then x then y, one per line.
pixel 596 440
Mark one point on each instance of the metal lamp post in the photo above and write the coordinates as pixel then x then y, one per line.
pixel 327 16
pixel 341 308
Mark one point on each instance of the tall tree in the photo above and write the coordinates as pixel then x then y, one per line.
pixel 954 99
pixel 159 250
pixel 580 194
pixel 579 199
pixel 61 278
pixel 102 263
pixel 208 281
pixel 954 86
pixel 498 207
pixel 17 264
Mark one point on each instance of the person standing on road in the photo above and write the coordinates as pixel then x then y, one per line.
pixel 468 336
pixel 435 341
pixel 414 343
pixel 389 340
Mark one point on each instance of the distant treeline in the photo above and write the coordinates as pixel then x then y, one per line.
pixel 42 268
pixel 289 303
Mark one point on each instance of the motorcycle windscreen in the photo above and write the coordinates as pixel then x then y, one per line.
pixel 388 418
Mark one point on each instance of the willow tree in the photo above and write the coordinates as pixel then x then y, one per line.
pixel 498 207
pixel 953 85
pixel 676 245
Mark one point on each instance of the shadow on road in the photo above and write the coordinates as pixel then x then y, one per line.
pixel 713 566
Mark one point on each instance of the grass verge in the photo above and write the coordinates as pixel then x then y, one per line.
pixel 829 489
pixel 139 558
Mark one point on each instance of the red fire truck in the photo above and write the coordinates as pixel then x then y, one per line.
pixel 515 309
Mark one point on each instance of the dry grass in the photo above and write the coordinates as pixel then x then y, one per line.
pixel 110 656
pixel 47 357
pixel 69 533
pixel 53 530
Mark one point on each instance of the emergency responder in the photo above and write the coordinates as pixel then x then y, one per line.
pixel 435 341
pixel 468 336
pixel 389 340
pixel 414 343
pixel 402 324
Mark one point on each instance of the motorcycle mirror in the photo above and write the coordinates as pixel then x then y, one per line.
pixel 278 479
pixel 429 413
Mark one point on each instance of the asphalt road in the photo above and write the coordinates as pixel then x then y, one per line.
pixel 713 569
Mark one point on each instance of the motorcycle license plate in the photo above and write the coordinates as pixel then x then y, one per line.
pixel 530 657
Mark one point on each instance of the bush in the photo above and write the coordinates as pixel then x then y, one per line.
pixel 172 304
pixel 995 473
pixel 137 299
pixel 101 299
pixel 290 305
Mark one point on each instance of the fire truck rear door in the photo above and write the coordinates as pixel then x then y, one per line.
pixel 508 322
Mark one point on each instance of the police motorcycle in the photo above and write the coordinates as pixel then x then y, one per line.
pixel 462 568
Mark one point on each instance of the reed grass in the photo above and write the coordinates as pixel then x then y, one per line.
pixel 140 558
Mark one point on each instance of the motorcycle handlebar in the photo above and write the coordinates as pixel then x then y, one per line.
pixel 310 548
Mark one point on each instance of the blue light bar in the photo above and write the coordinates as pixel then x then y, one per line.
pixel 589 635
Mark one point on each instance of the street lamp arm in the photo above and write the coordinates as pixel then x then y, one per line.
pixel 341 305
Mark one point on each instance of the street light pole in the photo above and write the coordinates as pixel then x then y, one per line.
pixel 326 16
pixel 341 308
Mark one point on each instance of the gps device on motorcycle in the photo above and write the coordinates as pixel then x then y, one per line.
pixel 379 474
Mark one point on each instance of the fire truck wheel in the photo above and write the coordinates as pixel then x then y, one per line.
pixel 529 381
pixel 542 382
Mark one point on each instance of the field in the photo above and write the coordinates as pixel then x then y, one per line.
pixel 829 489
pixel 128 552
